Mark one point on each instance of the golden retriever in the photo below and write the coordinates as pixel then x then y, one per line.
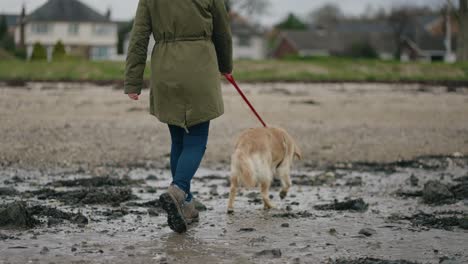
pixel 261 154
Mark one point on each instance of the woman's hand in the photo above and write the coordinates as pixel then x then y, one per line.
pixel 134 96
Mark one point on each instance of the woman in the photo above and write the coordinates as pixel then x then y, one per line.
pixel 193 46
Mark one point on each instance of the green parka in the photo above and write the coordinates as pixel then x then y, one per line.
pixel 193 45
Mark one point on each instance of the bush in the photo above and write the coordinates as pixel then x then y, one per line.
pixel 362 50
pixel 59 51
pixel 8 43
pixel 21 53
pixel 39 52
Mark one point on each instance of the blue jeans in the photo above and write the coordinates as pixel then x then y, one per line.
pixel 187 152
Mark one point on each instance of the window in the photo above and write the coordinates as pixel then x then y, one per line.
pixel 41 29
pixel 244 41
pixel 74 29
pixel 101 52
pixel 103 30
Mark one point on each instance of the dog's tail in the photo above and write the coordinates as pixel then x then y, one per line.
pixel 242 169
pixel 297 151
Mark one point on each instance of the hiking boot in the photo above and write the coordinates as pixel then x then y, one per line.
pixel 172 202
pixel 190 212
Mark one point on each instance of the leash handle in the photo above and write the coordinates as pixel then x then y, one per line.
pixel 230 78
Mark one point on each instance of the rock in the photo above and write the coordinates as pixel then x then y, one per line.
pixel 152 177
pixel 332 231
pixel 247 229
pixel 435 192
pixel 356 181
pixel 300 214
pixel 153 212
pixel 199 206
pixel 463 222
pixel 273 253
pixel 285 225
pixel 7 191
pixel 414 181
pixel 357 205
pixel 7 237
pixel 367 232
pixel 56 216
pixel 447 260
pixel 44 251
pixel 16 215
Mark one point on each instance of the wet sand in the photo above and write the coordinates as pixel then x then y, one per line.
pixel 89 166
pixel 47 125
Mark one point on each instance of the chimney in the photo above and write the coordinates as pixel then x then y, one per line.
pixel 22 24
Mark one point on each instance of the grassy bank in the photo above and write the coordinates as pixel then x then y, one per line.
pixel 316 69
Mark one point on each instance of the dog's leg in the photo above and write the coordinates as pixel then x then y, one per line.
pixel 232 194
pixel 264 188
pixel 284 173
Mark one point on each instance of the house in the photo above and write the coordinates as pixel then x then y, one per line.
pixel 83 31
pixel 425 39
pixel 11 22
pixel 248 41
pixel 336 40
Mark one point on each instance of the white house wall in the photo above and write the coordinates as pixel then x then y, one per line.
pixel 59 31
pixel 255 51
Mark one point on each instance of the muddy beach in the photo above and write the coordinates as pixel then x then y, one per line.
pixel 384 180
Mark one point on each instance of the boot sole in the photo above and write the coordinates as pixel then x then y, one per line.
pixel 175 218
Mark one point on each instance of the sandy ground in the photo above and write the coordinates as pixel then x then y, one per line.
pixel 45 125
pixel 89 165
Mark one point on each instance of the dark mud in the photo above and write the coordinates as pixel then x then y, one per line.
pixel 16 215
pixel 440 220
pixel 356 205
pixel 438 193
pixel 107 195
pixel 372 261
pixel 72 217
pixel 96 182
pixel 425 162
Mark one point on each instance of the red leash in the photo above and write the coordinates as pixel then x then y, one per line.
pixel 230 78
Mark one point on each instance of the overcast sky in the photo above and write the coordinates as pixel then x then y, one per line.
pixel 125 9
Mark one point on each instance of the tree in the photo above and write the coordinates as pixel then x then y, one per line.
pixel 251 7
pixel 399 20
pixel 59 51
pixel 462 49
pixel 292 22
pixel 326 15
pixel 39 52
pixel 124 30
pixel 3 26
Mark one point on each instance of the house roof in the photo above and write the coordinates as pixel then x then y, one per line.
pixel 241 26
pixel 11 19
pixel 418 32
pixel 66 10
pixel 337 41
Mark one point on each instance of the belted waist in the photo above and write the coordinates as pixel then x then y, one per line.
pixel 166 39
